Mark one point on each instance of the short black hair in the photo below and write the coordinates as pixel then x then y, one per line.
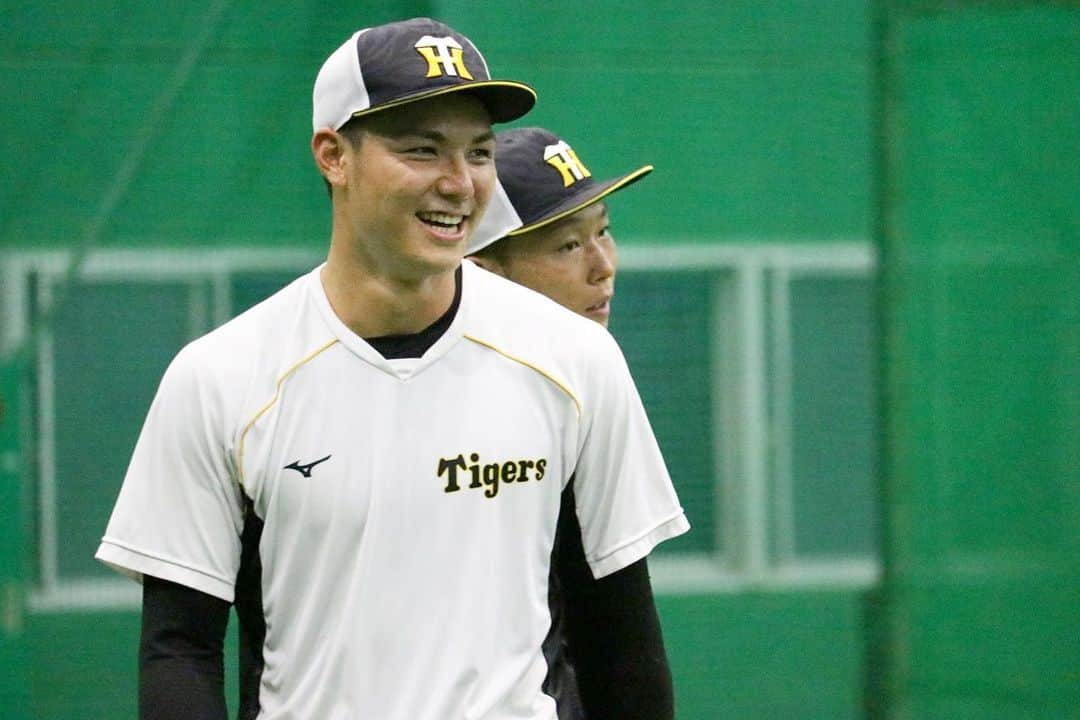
pixel 494 250
pixel 353 129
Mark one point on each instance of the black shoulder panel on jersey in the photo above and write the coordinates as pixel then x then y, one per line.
pixel 566 562
pixel 249 614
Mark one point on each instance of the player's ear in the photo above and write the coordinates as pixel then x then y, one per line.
pixel 329 151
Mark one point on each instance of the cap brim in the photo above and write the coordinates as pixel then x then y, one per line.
pixel 505 100
pixel 594 193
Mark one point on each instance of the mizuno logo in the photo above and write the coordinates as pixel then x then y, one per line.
pixel 304 470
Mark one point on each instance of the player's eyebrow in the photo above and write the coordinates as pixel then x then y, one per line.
pixel 436 136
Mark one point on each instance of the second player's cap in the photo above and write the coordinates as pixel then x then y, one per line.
pixel 545 179
pixel 389 65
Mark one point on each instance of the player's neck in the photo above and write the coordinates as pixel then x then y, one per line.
pixel 373 305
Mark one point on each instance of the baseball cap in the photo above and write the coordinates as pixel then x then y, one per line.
pixel 401 62
pixel 545 179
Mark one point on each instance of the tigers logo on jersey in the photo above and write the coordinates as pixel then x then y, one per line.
pixel 563 158
pixel 444 56
pixel 488 475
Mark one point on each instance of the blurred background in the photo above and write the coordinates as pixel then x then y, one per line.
pixel 850 293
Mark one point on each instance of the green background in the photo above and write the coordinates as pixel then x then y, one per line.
pixel 943 132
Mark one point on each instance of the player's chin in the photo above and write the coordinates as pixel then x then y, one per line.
pixel 434 259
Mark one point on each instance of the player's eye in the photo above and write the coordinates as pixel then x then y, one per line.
pixel 482 153
pixel 570 246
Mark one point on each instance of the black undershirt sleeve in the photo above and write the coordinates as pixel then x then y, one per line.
pixel 181 667
pixel 613 634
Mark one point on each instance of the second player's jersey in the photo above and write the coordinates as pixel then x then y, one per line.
pixel 408 506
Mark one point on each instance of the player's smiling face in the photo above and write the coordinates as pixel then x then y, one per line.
pixel 418 182
pixel 571 261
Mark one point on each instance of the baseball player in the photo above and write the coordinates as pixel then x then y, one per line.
pixel 564 249
pixel 369 464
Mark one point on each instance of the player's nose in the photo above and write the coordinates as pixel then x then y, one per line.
pixel 456 178
pixel 601 261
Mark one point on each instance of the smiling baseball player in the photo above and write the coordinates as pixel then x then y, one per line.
pixel 370 463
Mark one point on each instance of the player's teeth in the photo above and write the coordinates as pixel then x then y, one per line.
pixel 442 218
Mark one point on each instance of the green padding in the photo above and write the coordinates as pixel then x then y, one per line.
pixel 834 463
pixel 661 320
pixel 112 343
pixel 85 665
pixel 789 656
pixel 14 692
pixel 982 360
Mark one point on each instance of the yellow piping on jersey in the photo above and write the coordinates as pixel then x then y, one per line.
pixel 267 406
pixel 526 363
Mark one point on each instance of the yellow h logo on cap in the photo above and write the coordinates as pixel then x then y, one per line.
pixel 563 158
pixel 444 56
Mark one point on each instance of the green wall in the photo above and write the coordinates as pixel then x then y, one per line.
pixel 755 114
pixel 14 691
pixel 766 655
pixel 138 124
pixel 85 666
pixel 979 226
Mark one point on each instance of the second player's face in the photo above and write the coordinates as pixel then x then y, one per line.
pixel 571 261
pixel 418 183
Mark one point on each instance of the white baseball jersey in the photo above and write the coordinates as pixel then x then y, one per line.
pixel 408 506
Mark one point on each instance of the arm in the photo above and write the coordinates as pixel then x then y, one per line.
pixel 181 669
pixel 613 634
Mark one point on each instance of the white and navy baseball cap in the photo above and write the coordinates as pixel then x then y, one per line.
pixel 389 65
pixel 545 180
